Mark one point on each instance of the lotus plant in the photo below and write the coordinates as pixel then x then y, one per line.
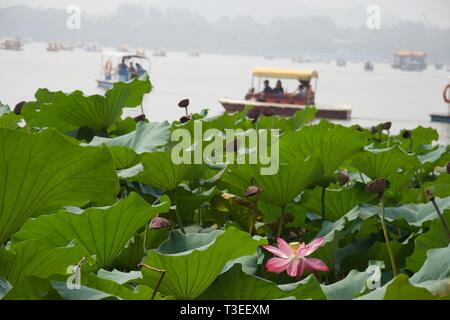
pixel 293 257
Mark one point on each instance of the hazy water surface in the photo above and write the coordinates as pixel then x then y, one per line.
pixel 405 98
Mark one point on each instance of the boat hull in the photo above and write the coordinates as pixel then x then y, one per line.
pixel 338 112
pixel 105 84
pixel 440 117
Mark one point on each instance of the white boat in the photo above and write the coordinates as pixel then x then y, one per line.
pixel 160 52
pixel 115 67
pixel 92 47
pixel 11 44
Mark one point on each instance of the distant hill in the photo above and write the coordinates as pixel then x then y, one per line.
pixel 184 30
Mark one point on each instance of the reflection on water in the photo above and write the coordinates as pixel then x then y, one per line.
pixel 405 98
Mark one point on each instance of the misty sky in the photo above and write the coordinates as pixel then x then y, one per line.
pixel 436 12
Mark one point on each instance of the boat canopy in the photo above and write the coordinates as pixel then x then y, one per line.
pixel 410 53
pixel 125 55
pixel 303 75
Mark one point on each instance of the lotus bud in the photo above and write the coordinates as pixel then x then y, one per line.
pixel 373 130
pixel 387 125
pixel 139 118
pixel 406 134
pixel 159 223
pixel 18 107
pixel 430 195
pixel 252 191
pixel 343 178
pixel 377 186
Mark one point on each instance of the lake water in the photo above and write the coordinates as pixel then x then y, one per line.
pixel 404 98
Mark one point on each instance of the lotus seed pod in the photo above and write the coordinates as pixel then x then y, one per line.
pixel 343 178
pixel 377 186
pixel 18 107
pixel 183 103
pixel 185 119
pixel 387 125
pixel 140 117
pixel 406 134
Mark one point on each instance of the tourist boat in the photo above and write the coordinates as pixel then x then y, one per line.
pixel 408 60
pixel 443 117
pixel 109 67
pixel 368 66
pixel 160 52
pixel 341 62
pixel 194 54
pixel 140 52
pixel 123 48
pixel 439 66
pixel 11 44
pixel 92 47
pixel 54 46
pixel 286 104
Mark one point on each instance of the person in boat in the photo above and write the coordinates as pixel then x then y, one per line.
pixel 301 91
pixel 123 71
pixel 132 71
pixel 108 70
pixel 278 90
pixel 139 70
pixel 267 89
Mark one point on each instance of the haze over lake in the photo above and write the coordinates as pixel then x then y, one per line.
pixel 405 98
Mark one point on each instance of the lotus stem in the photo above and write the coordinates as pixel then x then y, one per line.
pixel 144 244
pixel 280 223
pixel 162 272
pixel 324 189
pixel 254 215
pixel 386 238
pixel 362 178
pixel 142 109
pixel 441 217
pixel 180 222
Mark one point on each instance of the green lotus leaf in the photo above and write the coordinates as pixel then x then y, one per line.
pixel 348 288
pixel 67 112
pixel 436 266
pixel 238 285
pixel 419 136
pixel 103 232
pixel 280 189
pixel 376 163
pixel 401 288
pixel 435 237
pixel 332 144
pixel 147 137
pixel 94 287
pixel 338 202
pixel 193 261
pixel 33 258
pixel 159 171
pixel 8 119
pixel 42 172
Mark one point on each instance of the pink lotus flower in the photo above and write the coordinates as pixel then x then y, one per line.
pixel 292 257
